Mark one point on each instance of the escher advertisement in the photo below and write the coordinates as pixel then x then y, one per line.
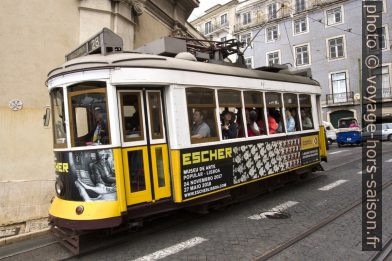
pixel 222 166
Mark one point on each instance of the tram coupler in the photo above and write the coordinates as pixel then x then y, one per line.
pixel 69 240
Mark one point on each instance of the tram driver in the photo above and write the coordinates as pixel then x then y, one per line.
pixel 200 129
pixel 100 134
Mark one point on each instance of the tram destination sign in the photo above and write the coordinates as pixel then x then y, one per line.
pixel 213 168
pixel 103 43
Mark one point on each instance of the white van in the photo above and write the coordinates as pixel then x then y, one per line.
pixel 330 131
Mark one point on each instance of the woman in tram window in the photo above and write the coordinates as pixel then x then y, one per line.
pixel 229 127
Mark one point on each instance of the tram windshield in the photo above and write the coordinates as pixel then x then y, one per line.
pixel 88 114
pixel 59 133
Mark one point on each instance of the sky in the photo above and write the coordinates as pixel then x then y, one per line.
pixel 204 5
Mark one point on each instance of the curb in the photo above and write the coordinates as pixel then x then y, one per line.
pixel 22 237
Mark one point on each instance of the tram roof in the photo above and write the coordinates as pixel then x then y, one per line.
pixel 138 60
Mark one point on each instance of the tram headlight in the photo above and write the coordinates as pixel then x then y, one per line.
pixel 59 185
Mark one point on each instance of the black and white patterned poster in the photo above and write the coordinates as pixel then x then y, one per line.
pixel 86 175
pixel 261 159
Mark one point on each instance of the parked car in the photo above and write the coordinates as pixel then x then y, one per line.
pixel 330 132
pixel 383 132
pixel 348 132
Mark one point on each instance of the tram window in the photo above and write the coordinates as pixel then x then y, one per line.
pixel 230 111
pixel 201 114
pixel 154 101
pixel 306 112
pixel 131 111
pixel 59 130
pixel 136 170
pixel 254 111
pixel 160 167
pixel 88 114
pixel 274 112
pixel 291 110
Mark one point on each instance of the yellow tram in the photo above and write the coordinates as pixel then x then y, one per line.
pixel 139 134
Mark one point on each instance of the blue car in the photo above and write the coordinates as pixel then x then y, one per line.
pixel 349 132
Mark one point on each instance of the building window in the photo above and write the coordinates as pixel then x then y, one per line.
pixel 302 54
pixel 339 87
pixel 272 33
pixel 382 74
pixel 207 28
pixel 249 62
pixel 300 25
pixel 273 58
pixel 246 38
pixel 223 19
pixel 334 16
pixel 272 13
pixel 336 48
pixel 223 39
pixel 299 5
pixel 382 38
pixel 246 19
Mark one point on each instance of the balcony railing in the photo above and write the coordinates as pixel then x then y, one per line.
pixel 215 28
pixel 255 21
pixel 387 92
pixel 338 98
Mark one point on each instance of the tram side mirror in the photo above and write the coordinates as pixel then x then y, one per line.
pixel 46 117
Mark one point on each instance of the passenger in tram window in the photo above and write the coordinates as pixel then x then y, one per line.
pixel 306 121
pixel 100 135
pixel 290 122
pixel 272 124
pixel 200 129
pixel 229 127
pixel 253 126
pixel 295 116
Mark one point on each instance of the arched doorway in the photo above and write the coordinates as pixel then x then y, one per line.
pixel 336 115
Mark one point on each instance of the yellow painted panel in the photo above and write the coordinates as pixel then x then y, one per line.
pixel 323 145
pixel 120 185
pixel 160 192
pixel 176 169
pixel 309 142
pixel 92 210
pixel 139 196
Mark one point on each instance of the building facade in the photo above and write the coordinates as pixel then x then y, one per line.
pixel 218 22
pixel 34 39
pixel 324 35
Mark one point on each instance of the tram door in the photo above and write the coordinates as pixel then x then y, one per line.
pixel 144 146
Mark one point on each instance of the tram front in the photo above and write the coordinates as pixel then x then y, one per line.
pixel 88 179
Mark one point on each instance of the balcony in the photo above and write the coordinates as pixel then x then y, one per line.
pixel 216 28
pixel 255 21
pixel 340 98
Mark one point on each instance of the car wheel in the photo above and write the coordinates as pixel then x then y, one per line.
pixel 330 141
pixel 390 137
pixel 339 145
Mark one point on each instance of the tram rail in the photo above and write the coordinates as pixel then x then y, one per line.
pixel 296 239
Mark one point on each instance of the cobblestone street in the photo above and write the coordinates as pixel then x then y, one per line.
pixel 240 232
